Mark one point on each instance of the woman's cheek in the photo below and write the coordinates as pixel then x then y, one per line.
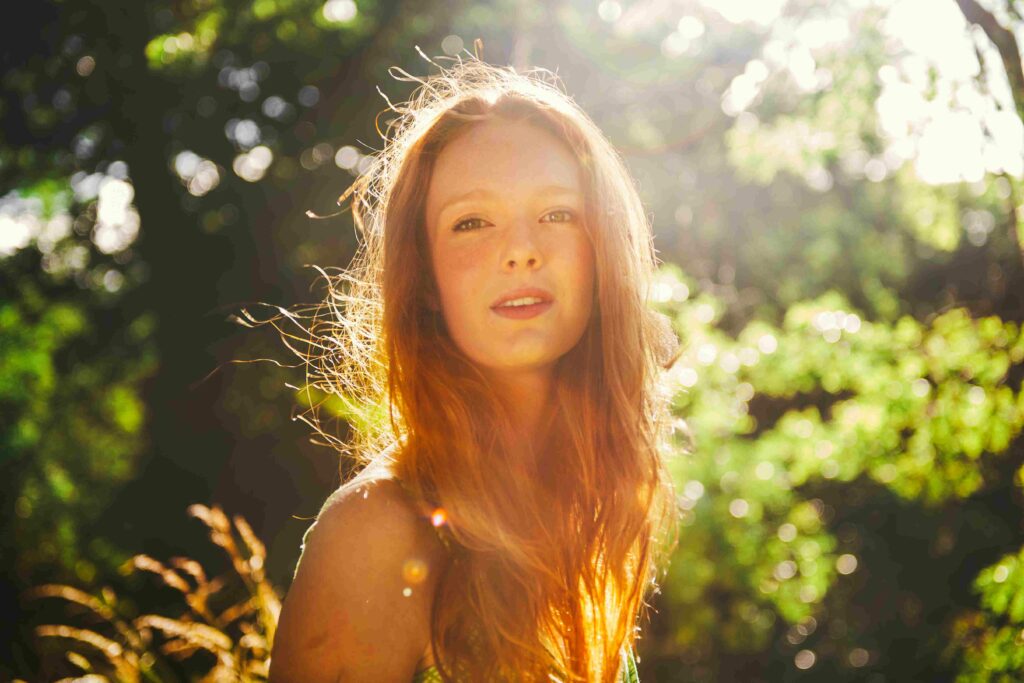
pixel 580 258
pixel 464 285
pixel 464 264
pixel 456 266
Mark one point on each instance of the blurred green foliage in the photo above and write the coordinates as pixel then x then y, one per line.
pixel 68 461
pixel 990 641
pixel 912 406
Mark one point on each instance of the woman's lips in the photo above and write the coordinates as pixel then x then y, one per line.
pixel 522 312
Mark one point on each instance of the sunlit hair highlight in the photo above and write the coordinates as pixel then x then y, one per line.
pixel 552 557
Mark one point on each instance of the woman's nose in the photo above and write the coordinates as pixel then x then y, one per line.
pixel 521 249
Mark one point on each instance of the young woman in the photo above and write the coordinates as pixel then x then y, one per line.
pixel 514 507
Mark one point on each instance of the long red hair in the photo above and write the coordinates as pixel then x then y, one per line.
pixel 553 556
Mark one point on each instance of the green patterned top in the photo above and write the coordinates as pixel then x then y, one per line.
pixel 629 673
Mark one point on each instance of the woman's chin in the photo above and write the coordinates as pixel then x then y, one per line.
pixel 522 362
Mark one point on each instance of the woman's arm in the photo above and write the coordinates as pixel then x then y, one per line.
pixel 346 617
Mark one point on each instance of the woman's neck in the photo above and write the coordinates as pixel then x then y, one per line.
pixel 528 398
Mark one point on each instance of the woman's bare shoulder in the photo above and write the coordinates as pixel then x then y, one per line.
pixel 379 501
pixel 359 606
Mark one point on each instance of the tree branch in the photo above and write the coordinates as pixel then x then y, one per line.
pixel 1005 42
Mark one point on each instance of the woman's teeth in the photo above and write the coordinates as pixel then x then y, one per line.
pixel 525 301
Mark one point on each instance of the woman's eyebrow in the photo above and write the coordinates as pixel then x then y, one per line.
pixel 483 194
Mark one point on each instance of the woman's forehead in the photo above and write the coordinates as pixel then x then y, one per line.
pixel 502 156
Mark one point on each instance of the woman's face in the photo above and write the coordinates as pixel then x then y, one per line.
pixel 511 257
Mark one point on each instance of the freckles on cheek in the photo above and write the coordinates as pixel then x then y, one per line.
pixel 468 257
pixel 459 269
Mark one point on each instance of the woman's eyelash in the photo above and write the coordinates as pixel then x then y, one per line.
pixel 459 227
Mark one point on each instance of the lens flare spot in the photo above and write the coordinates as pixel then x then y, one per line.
pixel 414 570
pixel 438 517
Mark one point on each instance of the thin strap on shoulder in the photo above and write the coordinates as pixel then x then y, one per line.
pixel 433 513
pixel 383 467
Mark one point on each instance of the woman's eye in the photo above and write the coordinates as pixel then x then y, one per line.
pixel 560 216
pixel 469 224
pixel 556 216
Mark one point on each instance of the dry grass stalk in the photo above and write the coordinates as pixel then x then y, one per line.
pixel 125 662
pixel 239 636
